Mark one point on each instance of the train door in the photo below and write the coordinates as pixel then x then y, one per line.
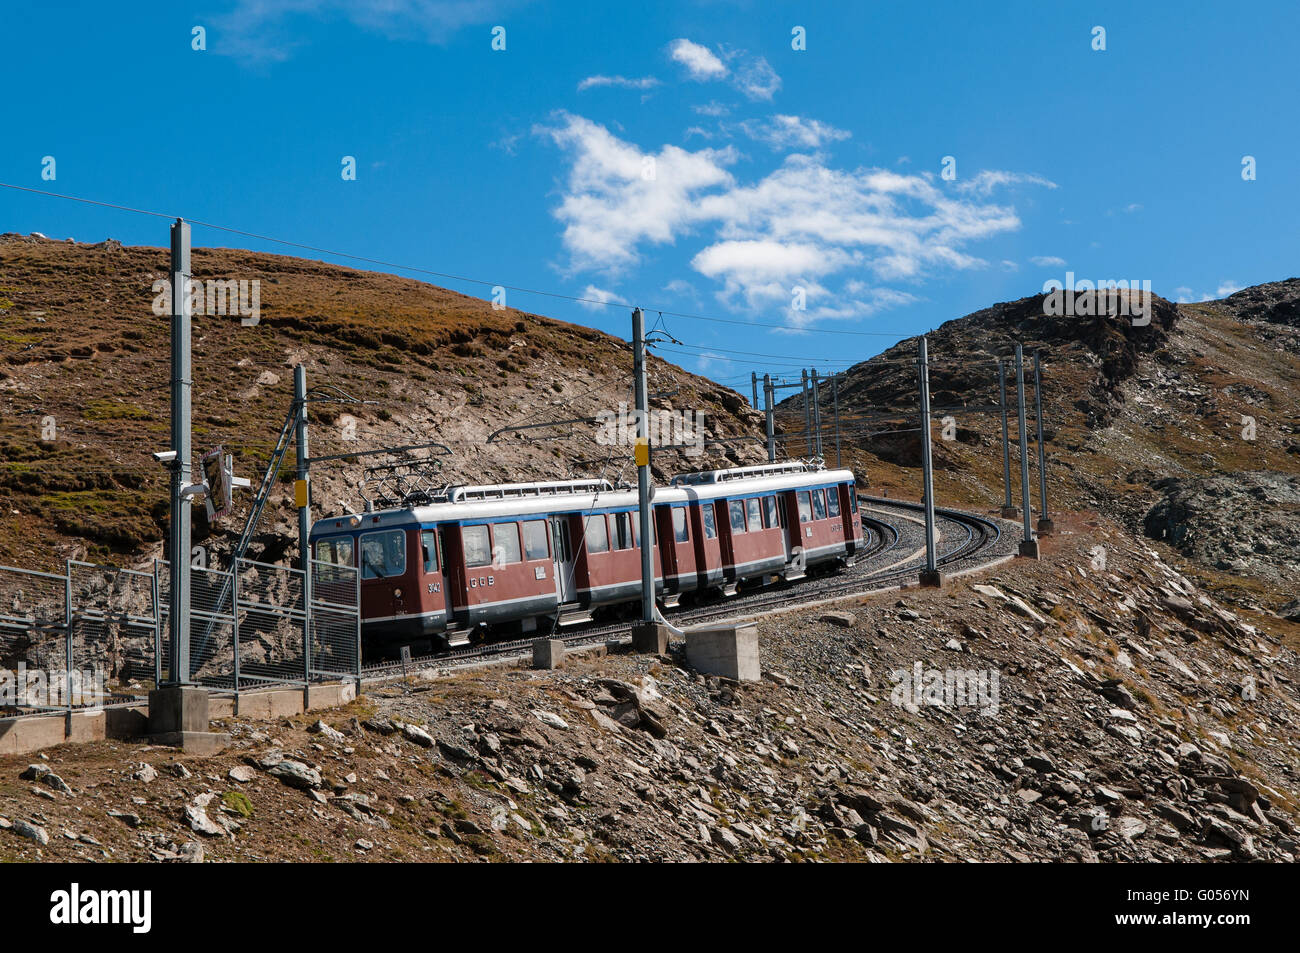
pixel 562 549
pixel 433 598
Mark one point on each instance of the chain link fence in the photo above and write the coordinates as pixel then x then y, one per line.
pixel 251 626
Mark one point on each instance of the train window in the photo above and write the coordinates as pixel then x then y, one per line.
pixel 383 554
pixel 755 513
pixel 505 537
pixel 853 497
pixel 706 514
pixel 805 508
pixel 334 552
pixel 535 539
pixel 338 551
pixel 737 511
pixel 429 549
pixel 770 519
pixel 636 530
pixel 622 530
pixel 597 535
pixel 478 550
pixel 680 531
pixel 819 504
pixel 833 501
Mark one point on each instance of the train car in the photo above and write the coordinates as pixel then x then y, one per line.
pixel 522 557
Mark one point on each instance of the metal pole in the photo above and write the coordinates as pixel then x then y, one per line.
pixel 768 401
pixel 67 632
pixel 234 617
pixel 157 630
pixel 1028 539
pixel 816 415
pixel 643 467
pixel 930 576
pixel 753 382
pixel 179 591
pixel 807 421
pixel 1044 521
pixel 835 400
pixel 1008 508
pixel 304 512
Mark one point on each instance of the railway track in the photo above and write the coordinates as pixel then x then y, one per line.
pixel 965 539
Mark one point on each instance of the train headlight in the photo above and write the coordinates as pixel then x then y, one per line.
pixel 397 593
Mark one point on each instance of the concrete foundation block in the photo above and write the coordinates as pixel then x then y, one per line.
pixel 175 708
pixel 650 638
pixel 1046 527
pixel 1010 513
pixel 730 651
pixel 547 653
pixel 221 706
pixel 931 579
pixel 1029 548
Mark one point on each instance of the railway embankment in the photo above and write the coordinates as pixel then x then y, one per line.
pixel 1093 706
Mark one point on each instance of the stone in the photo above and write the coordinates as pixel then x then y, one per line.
pixel 190 853
pixel 296 775
pixel 325 731
pixel 31 832
pixel 844 620
pixel 145 773
pixel 130 820
pixel 200 823
pixel 242 774
pixel 417 735
pixel 550 719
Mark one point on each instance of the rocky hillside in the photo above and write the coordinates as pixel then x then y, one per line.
pixel 84 393
pixel 1095 706
pixel 1186 428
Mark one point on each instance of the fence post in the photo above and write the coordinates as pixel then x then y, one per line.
pixel 157 628
pixel 234 617
pixel 67 633
pixel 356 582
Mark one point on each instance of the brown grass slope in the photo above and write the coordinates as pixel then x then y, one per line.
pixel 79 343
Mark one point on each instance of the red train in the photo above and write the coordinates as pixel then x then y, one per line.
pixel 513 557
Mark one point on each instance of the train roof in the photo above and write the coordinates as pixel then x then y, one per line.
pixel 538 499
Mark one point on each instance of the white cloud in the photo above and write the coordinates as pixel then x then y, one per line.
pixel 700 62
pixel 622 82
pixel 1133 207
pixel 805 223
pixel 610 206
pixel 781 131
pixel 711 108
pixel 680 287
pixel 1047 261
pixel 1228 287
pixel 599 298
pixel 752 75
pixel 985 182
pixel 264 30
pixel 755 77
pixel 1009 265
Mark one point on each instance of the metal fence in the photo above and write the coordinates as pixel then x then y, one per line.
pixel 249 627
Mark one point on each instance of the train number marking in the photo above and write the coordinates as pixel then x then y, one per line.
pixel 435 587
pixel 539 572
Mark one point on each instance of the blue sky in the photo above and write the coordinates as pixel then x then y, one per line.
pixel 684 156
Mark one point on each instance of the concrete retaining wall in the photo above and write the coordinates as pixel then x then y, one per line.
pixel 22 734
